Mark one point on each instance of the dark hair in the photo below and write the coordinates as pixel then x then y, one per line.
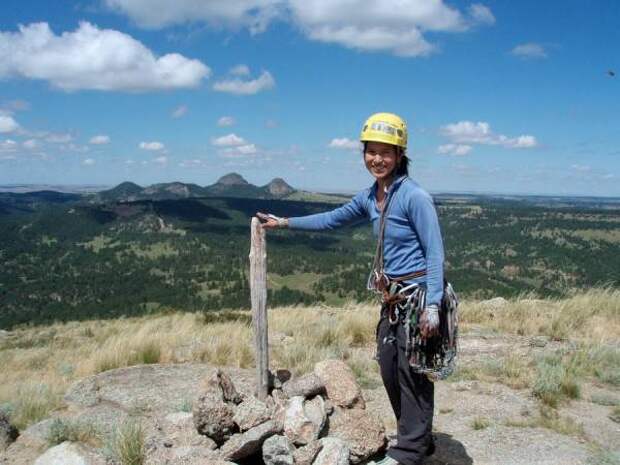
pixel 402 169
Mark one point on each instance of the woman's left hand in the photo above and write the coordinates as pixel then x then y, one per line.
pixel 429 322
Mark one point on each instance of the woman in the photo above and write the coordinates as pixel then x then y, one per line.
pixel 409 252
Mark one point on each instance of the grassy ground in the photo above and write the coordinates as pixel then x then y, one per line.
pixel 39 363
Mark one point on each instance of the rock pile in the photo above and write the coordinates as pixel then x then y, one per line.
pixel 316 419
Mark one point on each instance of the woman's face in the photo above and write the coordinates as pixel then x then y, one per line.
pixel 381 159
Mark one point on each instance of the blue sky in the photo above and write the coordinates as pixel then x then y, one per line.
pixel 509 97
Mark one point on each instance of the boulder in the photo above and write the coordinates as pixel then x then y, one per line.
pixel 8 432
pixel 362 432
pixel 243 445
pixel 213 417
pixel 305 455
pixel 307 386
pixel 298 426
pixel 315 410
pixel 340 383
pixel 69 453
pixel 278 450
pixel 333 451
pixel 250 413
pixel 179 430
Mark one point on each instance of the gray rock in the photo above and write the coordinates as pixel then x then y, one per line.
pixel 243 445
pixel 334 451
pixel 315 411
pixel 250 413
pixel 220 380
pixel 8 432
pixel 69 453
pixel 213 417
pixel 363 433
pixel 340 383
pixel 180 431
pixel 298 427
pixel 39 430
pixel 278 450
pixel 84 393
pixel 305 455
pixel 307 386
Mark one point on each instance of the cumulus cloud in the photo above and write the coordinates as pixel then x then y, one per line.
pixel 228 140
pixel 468 132
pixel 240 151
pixel 252 14
pixel 529 50
pixel 8 145
pixel 581 168
pixel 194 163
pixel 454 149
pixel 153 146
pixel 240 70
pixel 179 111
pixel 7 123
pixel 239 86
pixel 225 121
pixel 93 58
pixel 88 162
pixel 161 160
pixel 393 26
pixel 481 14
pixel 100 140
pixel 344 143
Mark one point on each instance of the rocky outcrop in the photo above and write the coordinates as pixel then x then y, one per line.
pixel 278 450
pixel 69 453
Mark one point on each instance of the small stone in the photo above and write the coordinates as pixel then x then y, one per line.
pixel 305 455
pixel 243 445
pixel 250 412
pixel 307 386
pixel 213 417
pixel 278 450
pixel 340 383
pixel 362 432
pixel 333 452
pixel 298 427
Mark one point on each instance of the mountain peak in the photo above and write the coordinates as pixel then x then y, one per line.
pixel 232 179
pixel 279 187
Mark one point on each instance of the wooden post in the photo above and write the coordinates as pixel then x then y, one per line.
pixel 258 290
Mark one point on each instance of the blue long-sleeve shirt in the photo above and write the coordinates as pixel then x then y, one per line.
pixel 412 238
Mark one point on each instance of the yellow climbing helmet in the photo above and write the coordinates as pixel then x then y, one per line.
pixel 385 127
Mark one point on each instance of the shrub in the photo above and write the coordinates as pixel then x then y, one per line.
pixel 479 423
pixel 127 445
pixel 68 430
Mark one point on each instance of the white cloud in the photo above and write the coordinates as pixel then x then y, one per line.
pixel 228 140
pixel 152 146
pixel 468 132
pixel 161 160
pixel 345 143
pixel 240 70
pixel 393 26
pixel 30 144
pixel 240 87
pixel 88 162
pixel 252 14
pixel 7 123
pixel 240 151
pixel 529 50
pixel 481 14
pixel 581 168
pixel 100 140
pixel 179 111
pixel 225 121
pixel 454 149
pixel 8 145
pixel 93 58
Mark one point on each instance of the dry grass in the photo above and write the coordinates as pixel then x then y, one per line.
pixel 59 354
pixel 549 418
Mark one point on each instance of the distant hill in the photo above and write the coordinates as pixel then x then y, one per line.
pixel 230 185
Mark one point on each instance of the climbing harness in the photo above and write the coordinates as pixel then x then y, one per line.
pixel 402 303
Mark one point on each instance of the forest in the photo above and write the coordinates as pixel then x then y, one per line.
pixel 65 258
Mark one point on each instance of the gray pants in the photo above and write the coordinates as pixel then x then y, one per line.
pixel 411 395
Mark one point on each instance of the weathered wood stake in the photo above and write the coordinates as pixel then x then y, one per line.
pixel 258 290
